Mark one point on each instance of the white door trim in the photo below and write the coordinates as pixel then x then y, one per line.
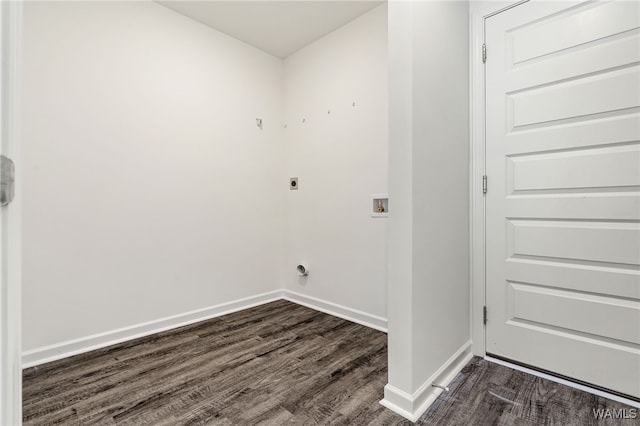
pixel 479 11
pixel 10 300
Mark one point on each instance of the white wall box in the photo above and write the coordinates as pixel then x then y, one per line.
pixel 379 205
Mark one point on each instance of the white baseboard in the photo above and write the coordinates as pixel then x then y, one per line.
pixel 85 344
pixel 69 348
pixel 353 315
pixel 399 402
pixel 412 406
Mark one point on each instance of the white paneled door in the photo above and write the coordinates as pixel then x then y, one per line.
pixel 563 199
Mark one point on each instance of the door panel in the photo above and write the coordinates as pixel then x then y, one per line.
pixel 563 204
pixel 602 242
pixel 572 310
pixel 571 29
pixel 610 91
pixel 575 169
pixel 615 51
pixel 577 276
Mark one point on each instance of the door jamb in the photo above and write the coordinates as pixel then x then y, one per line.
pixel 11 274
pixel 479 12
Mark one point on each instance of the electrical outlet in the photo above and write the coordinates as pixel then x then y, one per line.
pixel 293 183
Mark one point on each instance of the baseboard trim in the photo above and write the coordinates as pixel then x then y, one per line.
pixel 73 347
pixel 412 406
pixel 399 402
pixel 353 315
pixel 69 348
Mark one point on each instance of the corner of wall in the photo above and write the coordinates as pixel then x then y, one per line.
pixel 428 281
pixel 413 406
pixel 336 132
pixel 172 199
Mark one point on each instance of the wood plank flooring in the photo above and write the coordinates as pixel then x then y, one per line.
pixel 279 363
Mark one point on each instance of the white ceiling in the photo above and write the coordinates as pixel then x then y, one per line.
pixel 277 27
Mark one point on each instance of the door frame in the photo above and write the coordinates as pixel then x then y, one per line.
pixel 11 251
pixel 479 11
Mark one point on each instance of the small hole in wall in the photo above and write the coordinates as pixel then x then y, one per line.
pixel 304 120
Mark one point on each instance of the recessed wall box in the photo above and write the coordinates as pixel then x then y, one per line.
pixel 379 205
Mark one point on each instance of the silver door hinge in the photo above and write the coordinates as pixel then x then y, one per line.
pixel 484 315
pixel 484 53
pixel 484 184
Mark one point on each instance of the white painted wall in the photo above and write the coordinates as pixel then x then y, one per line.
pixel 148 189
pixel 340 159
pixel 428 288
pixel 150 193
pixel 400 229
pixel 441 179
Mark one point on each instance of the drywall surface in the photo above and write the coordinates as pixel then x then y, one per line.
pixel 339 153
pixel 441 238
pixel 400 230
pixel 428 287
pixel 149 191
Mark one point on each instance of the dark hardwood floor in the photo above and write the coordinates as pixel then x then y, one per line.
pixel 279 363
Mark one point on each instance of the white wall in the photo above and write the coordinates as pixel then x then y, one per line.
pixel 150 192
pixel 148 189
pixel 340 159
pixel 428 288
pixel 441 240
pixel 400 229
